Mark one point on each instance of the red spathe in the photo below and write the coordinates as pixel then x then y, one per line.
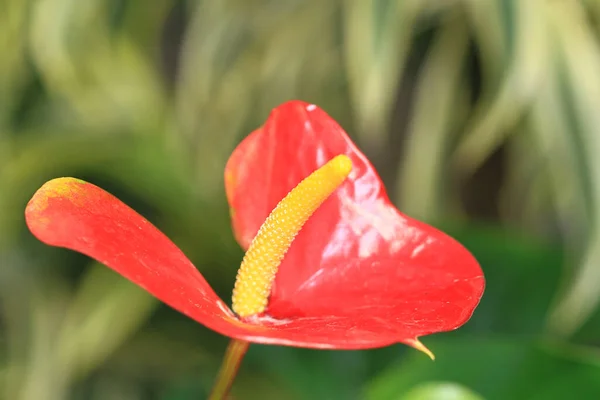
pixel 357 256
pixel 359 275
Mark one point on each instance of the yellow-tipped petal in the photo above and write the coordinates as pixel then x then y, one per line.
pixel 259 266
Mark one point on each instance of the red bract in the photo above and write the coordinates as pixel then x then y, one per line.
pixel 359 275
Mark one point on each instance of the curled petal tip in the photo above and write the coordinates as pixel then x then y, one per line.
pixel 416 343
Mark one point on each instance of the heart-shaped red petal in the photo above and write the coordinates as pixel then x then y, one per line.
pixel 358 258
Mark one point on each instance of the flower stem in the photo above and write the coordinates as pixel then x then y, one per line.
pixel 231 362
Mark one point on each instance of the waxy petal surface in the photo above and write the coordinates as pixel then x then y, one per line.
pixel 77 215
pixel 358 259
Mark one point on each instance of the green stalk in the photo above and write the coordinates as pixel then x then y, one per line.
pixel 231 362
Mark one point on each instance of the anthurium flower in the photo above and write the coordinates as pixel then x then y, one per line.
pixel 355 274
pixel 360 273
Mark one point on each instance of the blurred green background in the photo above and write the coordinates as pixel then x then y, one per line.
pixel 482 116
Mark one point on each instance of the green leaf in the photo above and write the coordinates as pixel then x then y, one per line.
pixel 440 391
pixel 106 311
pixel 433 123
pixel 501 108
pixel 13 67
pixel 377 38
pixel 512 263
pixel 579 48
pixel 312 374
pixel 496 368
